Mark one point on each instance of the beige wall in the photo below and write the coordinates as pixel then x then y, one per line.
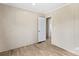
pixel 17 28
pixel 63 27
pixel 66 27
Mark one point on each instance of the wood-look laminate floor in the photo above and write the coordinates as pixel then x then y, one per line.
pixel 38 49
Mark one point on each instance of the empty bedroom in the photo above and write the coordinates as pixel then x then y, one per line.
pixel 39 29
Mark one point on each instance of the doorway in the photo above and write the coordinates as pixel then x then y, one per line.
pixel 44 30
pixel 48 29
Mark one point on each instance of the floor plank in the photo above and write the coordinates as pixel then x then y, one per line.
pixel 39 49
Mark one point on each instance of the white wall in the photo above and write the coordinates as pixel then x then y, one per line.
pixel 65 23
pixel 17 28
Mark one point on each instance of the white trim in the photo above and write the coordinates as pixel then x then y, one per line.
pixel 73 51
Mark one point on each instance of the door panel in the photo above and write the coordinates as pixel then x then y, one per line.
pixel 41 29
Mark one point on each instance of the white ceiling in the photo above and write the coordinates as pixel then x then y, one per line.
pixel 39 7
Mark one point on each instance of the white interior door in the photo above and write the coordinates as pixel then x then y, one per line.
pixel 41 29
